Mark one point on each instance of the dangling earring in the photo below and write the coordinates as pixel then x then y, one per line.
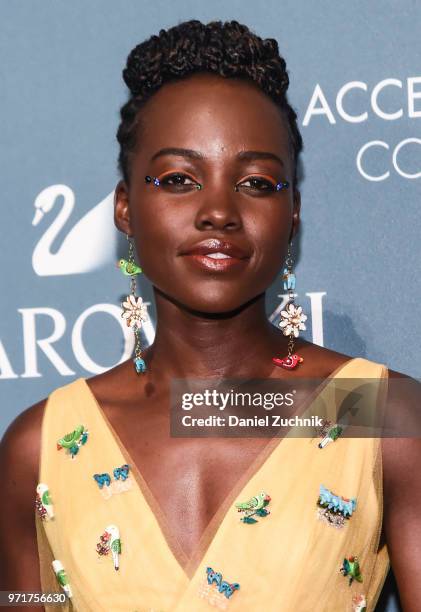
pixel 292 318
pixel 134 310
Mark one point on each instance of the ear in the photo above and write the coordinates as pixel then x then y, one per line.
pixel 295 213
pixel 122 209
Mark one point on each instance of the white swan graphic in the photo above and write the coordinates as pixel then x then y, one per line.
pixel 90 244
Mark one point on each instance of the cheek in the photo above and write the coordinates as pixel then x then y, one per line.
pixel 270 231
pixel 159 230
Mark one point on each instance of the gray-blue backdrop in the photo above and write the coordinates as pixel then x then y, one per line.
pixel 355 70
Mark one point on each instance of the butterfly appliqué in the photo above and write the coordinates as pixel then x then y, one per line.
pixel 216 591
pixel 122 481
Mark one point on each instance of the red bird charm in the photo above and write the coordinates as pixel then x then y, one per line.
pixel 289 363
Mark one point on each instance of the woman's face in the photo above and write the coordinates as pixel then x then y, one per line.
pixel 216 248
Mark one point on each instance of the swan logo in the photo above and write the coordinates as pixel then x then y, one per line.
pixel 82 249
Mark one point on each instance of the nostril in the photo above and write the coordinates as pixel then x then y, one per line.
pixel 207 224
pixel 231 225
pixel 217 216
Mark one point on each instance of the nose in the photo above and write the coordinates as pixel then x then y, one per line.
pixel 218 210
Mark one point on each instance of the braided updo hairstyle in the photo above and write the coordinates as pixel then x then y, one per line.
pixel 227 49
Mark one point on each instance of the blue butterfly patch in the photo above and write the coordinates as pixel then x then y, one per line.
pixel 102 479
pixel 121 472
pixel 224 587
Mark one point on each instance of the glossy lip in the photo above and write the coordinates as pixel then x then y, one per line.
pixel 199 251
pixel 214 245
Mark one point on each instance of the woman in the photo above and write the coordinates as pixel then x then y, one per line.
pixel 206 138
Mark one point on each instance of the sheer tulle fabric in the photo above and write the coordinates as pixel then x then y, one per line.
pixel 288 562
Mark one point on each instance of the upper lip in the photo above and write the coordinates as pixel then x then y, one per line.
pixel 214 245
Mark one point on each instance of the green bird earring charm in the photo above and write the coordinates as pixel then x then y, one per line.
pixel 134 310
pixel 128 268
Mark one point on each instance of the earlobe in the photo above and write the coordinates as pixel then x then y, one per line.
pixel 121 208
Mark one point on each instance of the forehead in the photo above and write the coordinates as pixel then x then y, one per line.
pixel 214 115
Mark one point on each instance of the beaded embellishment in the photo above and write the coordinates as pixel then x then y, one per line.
pixel 43 503
pixel 332 434
pixel 152 179
pixel 73 441
pixel 122 481
pixel 62 577
pixel 351 569
pixel 282 185
pixel 256 506
pixel 110 542
pixel 217 591
pixel 334 509
pixel 102 479
pixel 359 603
pixel 155 181
pixel 288 278
pixel 128 268
pixel 322 430
pixel 121 472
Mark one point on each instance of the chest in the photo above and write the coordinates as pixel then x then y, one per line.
pixel 188 478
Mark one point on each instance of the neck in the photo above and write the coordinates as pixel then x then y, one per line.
pixel 192 344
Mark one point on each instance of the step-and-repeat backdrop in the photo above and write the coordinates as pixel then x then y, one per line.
pixel 355 75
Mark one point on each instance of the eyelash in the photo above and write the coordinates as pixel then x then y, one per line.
pixel 269 186
pixel 164 180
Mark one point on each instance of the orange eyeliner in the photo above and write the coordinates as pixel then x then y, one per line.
pixel 265 176
pixel 170 172
pixel 157 181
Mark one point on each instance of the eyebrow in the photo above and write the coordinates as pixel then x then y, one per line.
pixel 191 154
pixel 253 155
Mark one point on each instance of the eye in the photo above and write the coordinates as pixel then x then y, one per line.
pixel 256 184
pixel 178 182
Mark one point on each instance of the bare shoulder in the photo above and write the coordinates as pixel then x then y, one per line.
pixel 20 446
pixel 320 361
pixel 402 453
pixel 401 458
pixel 19 461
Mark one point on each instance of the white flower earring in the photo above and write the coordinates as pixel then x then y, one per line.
pixel 134 310
pixel 292 318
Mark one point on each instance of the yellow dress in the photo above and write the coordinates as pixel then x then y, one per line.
pixel 288 561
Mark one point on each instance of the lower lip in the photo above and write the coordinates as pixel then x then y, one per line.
pixel 216 265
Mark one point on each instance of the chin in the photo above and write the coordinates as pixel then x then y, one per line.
pixel 211 297
pixel 225 304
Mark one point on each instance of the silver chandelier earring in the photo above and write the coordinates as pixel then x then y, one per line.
pixel 292 317
pixel 134 309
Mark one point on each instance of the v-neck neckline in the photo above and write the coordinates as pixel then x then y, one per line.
pixel 190 565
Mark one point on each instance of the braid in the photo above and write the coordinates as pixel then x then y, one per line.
pixel 227 49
